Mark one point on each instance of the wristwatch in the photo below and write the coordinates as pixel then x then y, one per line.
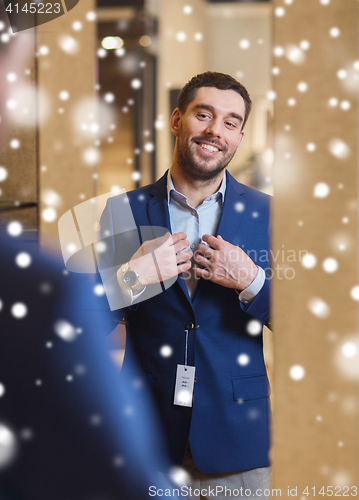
pixel 132 279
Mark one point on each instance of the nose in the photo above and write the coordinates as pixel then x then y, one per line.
pixel 214 129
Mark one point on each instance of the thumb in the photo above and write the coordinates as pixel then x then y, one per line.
pixel 220 237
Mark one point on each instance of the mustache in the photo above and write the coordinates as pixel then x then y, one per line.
pixel 213 142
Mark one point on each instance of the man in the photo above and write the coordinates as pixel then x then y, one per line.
pixel 212 317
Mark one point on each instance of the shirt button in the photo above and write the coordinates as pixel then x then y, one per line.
pixel 193 212
pixel 195 379
pixel 189 326
pixel 193 246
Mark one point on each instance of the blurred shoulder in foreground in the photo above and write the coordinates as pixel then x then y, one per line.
pixel 70 427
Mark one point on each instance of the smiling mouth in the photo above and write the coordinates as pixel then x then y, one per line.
pixel 208 147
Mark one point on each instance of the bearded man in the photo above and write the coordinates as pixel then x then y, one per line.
pixel 198 338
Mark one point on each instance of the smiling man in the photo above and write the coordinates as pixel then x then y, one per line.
pixel 199 342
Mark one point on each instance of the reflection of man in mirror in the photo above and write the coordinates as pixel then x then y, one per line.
pixel 199 342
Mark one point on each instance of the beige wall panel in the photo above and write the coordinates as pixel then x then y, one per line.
pixel 18 118
pixel 67 154
pixel 316 431
pixel 227 27
pixel 180 56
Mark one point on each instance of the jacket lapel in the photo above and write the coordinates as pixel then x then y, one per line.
pixel 158 215
pixel 233 212
pixel 233 215
pixel 157 205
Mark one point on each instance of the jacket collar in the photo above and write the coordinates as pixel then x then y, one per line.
pixel 233 214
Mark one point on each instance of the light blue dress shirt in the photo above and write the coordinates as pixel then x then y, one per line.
pixel 196 222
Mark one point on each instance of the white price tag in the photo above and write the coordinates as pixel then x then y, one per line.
pixel 184 385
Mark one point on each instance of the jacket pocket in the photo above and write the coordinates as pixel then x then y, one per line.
pixel 247 388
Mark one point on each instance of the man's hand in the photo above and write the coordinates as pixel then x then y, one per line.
pixel 224 263
pixel 159 259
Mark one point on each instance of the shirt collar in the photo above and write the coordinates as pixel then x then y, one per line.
pixel 171 188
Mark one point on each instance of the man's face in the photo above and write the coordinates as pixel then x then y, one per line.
pixel 209 132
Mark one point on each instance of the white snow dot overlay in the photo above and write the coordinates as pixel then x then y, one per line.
pixel 49 214
pixel 65 330
pixel 14 228
pixel 100 247
pixel 15 143
pixel 136 83
pixel 99 290
pixel 311 147
pixel 302 86
pixel 354 293
pixel 181 36
pixel 149 147
pixel 8 446
pixel 109 97
pixel 239 206
pixel 319 308
pixel 64 95
pixel 349 350
pixel 330 265
pixel 296 372
pixel 309 261
pixel 339 149
pixel 19 310
pixel 254 327
pixel 244 44
pixel 23 259
pixel 243 359
pixel 3 174
pixel 2 389
pixel 321 190
pixel 166 351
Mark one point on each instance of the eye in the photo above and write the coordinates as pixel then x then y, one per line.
pixel 202 116
pixel 231 125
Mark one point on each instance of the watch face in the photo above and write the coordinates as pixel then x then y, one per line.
pixel 130 278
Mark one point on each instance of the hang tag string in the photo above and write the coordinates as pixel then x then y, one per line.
pixel 186 350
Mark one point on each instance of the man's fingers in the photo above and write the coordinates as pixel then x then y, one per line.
pixel 184 267
pixel 204 250
pixel 202 261
pixel 213 241
pixel 180 246
pixel 202 273
pixel 183 257
pixel 178 237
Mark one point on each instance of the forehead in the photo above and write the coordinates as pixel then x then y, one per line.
pixel 226 101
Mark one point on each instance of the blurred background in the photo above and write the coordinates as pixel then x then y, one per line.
pixel 102 82
pixel 84 110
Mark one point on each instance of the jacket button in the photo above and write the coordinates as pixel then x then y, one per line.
pixel 195 379
pixel 189 326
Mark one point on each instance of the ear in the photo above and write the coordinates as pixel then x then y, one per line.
pixel 240 140
pixel 175 121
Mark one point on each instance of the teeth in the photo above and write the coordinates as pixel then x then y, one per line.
pixel 212 149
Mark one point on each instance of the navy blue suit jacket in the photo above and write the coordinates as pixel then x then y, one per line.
pixel 228 425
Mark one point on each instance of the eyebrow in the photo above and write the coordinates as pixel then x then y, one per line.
pixel 212 109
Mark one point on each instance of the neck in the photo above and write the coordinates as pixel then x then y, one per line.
pixel 196 191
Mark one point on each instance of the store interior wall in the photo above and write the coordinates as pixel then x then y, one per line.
pixel 310 80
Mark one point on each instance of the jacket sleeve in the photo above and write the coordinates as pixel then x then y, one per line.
pixel 259 307
pixel 119 240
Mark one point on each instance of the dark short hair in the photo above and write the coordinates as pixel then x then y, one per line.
pixel 220 81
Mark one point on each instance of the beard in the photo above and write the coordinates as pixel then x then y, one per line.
pixel 201 169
